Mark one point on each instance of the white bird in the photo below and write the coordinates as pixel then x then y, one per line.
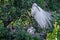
pixel 31 30
pixel 42 17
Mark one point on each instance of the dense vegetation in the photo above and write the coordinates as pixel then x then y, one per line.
pixel 16 13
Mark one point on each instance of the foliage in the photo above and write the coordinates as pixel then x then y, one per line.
pixel 17 12
pixel 17 34
pixel 54 34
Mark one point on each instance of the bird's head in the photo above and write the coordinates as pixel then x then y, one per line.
pixel 34 9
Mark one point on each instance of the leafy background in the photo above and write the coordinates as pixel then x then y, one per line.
pixel 17 13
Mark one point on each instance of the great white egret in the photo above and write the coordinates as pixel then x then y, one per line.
pixel 42 17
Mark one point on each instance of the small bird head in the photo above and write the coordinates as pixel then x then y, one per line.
pixel 33 9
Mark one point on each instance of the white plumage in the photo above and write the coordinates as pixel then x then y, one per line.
pixel 42 17
pixel 31 30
